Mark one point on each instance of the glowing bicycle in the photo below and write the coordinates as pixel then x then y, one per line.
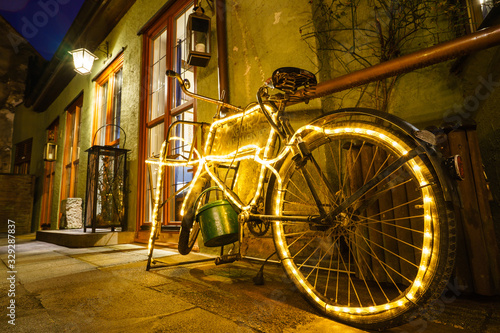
pixel 357 201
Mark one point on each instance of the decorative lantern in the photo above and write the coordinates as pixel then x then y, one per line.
pixel 50 152
pixel 198 35
pixel 83 60
pixel 106 188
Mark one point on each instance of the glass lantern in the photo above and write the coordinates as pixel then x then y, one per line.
pixel 50 152
pixel 105 204
pixel 83 60
pixel 198 34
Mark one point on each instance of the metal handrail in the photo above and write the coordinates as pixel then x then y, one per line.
pixel 476 41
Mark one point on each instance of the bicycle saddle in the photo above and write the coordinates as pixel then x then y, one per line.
pixel 290 79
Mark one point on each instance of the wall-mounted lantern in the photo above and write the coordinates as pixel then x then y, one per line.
pixel 50 152
pixel 83 60
pixel 198 35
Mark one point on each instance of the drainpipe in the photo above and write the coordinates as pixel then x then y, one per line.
pixel 220 20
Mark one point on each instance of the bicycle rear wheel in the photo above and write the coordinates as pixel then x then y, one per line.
pixel 381 256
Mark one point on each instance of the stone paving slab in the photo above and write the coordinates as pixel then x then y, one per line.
pixel 107 289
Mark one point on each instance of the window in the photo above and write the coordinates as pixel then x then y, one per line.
pixel 23 157
pixel 71 154
pixel 165 48
pixel 477 11
pixel 108 105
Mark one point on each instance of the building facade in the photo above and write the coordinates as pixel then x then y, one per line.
pixel 128 102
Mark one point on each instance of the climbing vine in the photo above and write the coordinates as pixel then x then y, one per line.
pixel 349 35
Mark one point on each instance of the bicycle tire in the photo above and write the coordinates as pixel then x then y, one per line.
pixel 190 228
pixel 389 253
pixel 187 236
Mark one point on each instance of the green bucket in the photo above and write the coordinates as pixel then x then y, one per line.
pixel 219 223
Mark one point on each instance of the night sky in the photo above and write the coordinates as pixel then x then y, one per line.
pixel 42 22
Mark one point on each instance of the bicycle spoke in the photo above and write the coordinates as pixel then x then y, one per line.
pixel 383 264
pixel 374 221
pixel 398 206
pixel 375 181
pixel 399 240
pixel 362 276
pixel 365 258
pixel 400 257
pixel 371 165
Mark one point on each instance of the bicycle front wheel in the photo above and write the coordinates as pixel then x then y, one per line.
pixel 380 242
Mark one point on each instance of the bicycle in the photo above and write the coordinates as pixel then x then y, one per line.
pixel 358 200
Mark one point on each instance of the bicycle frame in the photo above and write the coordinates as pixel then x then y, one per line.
pixel 265 155
pixel 208 162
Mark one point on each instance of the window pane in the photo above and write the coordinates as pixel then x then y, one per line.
pixel 100 138
pixel 181 175
pixel 151 177
pixel 68 180
pixel 486 7
pixel 76 125
pixel 155 140
pixel 71 131
pixel 156 137
pixel 117 105
pixel 179 55
pixel 158 77
pixel 75 184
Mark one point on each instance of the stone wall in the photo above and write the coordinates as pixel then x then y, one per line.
pixel 16 201
pixel 15 52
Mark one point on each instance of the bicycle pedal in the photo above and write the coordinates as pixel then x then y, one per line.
pixel 227 258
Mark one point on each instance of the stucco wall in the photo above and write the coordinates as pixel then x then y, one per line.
pixel 262 36
pixel 255 51
pixel 30 124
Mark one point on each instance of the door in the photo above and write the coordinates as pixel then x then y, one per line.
pixel 48 179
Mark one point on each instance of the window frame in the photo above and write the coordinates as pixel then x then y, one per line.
pixel 22 157
pixel 161 23
pixel 73 119
pixel 108 75
pixel 475 15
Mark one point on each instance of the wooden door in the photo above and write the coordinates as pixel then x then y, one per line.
pixel 48 179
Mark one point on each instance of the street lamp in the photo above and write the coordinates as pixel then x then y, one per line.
pixel 83 60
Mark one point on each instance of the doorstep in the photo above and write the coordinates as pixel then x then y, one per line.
pixel 76 238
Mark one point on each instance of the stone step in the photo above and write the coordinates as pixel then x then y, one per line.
pixel 76 238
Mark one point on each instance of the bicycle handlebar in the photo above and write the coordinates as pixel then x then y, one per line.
pixel 184 84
